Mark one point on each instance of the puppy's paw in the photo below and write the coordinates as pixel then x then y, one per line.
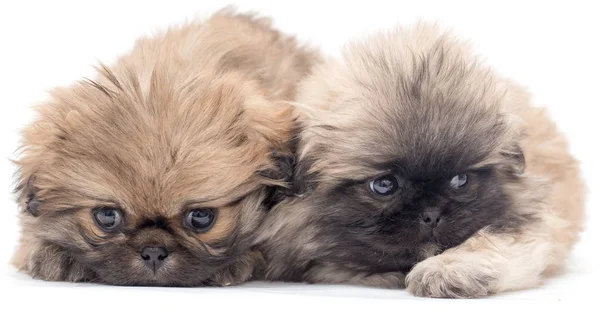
pixel 243 269
pixel 451 277
pixel 52 263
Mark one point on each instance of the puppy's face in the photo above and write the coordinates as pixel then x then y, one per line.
pixel 148 185
pixel 406 208
pixel 403 164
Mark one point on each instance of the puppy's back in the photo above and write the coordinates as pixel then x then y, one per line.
pixel 227 41
pixel 547 157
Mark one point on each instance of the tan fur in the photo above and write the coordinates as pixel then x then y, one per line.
pixel 188 119
pixel 552 189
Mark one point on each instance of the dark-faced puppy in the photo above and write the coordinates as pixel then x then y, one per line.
pixel 410 148
pixel 158 171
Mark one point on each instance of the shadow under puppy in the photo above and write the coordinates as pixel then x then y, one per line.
pixel 158 171
pixel 414 158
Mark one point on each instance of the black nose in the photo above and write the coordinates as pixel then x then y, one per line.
pixel 154 257
pixel 431 217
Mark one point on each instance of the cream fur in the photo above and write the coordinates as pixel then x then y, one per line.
pixel 489 262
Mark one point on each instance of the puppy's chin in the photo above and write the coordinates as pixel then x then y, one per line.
pixel 182 271
pixel 444 237
pixel 129 270
pixel 172 273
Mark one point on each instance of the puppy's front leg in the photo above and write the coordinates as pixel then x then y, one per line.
pixel 487 263
pixel 248 267
pixel 330 273
pixel 47 261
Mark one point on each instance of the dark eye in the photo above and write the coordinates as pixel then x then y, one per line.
pixel 459 181
pixel 200 220
pixel 108 218
pixel 385 185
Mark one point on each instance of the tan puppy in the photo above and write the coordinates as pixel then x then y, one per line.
pixel 158 171
pixel 415 158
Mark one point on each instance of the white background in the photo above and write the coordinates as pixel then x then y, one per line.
pixel 552 48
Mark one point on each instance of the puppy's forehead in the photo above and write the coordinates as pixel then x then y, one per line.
pixel 432 133
pixel 158 150
pixel 421 103
pixel 419 139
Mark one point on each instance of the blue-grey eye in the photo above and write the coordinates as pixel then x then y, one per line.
pixel 200 220
pixel 459 181
pixel 385 185
pixel 108 218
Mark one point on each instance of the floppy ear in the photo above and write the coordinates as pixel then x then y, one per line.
pixel 28 194
pixel 273 123
pixel 280 176
pixel 515 157
pixel 303 179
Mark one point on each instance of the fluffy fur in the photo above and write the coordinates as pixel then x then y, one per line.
pixel 416 105
pixel 190 118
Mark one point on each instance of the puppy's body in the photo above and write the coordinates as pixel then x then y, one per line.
pixel 411 160
pixel 157 171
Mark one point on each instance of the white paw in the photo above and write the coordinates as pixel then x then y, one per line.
pixel 451 277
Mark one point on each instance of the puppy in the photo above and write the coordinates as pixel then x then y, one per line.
pixel 414 158
pixel 158 170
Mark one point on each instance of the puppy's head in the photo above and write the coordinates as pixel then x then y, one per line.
pixel 405 149
pixel 148 180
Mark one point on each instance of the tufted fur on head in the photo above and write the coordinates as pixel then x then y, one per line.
pixel 192 119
